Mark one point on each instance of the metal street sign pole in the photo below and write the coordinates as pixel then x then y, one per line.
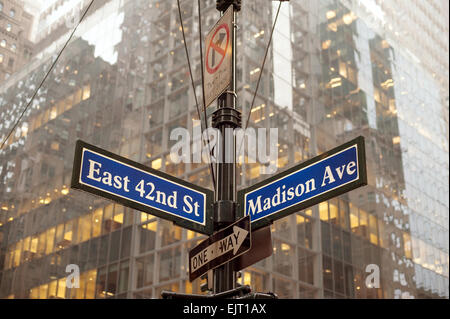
pixel 226 117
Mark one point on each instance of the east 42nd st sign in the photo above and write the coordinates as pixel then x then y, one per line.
pixel 135 185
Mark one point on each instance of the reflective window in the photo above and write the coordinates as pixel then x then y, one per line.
pixel 333 72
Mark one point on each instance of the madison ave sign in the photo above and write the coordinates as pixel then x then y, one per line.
pixel 325 176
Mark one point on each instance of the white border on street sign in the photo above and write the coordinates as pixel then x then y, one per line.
pixel 295 172
pixel 130 199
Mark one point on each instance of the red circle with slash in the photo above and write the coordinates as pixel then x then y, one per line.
pixel 217 48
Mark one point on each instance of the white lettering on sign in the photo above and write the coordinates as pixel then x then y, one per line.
pixel 230 243
pixel 339 171
pixel 283 195
pixel 145 190
pixel 107 178
pixel 188 206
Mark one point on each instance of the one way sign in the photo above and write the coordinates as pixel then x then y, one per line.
pixel 220 248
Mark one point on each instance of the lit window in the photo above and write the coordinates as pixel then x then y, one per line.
pixel 255 71
pixel 85 228
pixel 9 27
pixel 53 113
pixel 77 97
pixel 333 26
pixel 258 34
pixel 34 244
pixel 343 69
pixel 282 161
pixel 156 164
pixel 354 223
pixel 331 14
pixel 69 102
pixel 91 277
pixel 3 43
pixel 24 129
pixel 348 18
pixel 255 172
pixel 97 222
pixel 79 294
pixel 326 44
pixel 118 218
pixel 86 92
pixel 68 232
pixel 333 213
pixel 300 219
pixel 335 82
pixel 373 235
pixel 191 234
pixel 43 291
pixel 1 6
pixel 363 223
pixel 323 211
pixel 54 146
pixel 152 227
pixel 41 244
pixel 34 292
pixel 61 288
pixel 13 47
pixel 1 58
pixel 50 240
pixel 144 217
pixel 247 278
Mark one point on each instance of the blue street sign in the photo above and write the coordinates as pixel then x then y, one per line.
pixel 137 186
pixel 316 180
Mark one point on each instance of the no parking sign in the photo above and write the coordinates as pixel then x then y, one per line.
pixel 218 57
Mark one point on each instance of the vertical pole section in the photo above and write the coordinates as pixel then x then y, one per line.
pixel 226 119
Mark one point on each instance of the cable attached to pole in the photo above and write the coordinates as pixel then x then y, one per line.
pixel 188 59
pixel 46 75
pixel 203 90
pixel 260 74
pixel 193 85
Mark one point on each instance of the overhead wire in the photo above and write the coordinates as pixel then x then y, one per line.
pixel 46 75
pixel 260 74
pixel 203 87
pixel 193 85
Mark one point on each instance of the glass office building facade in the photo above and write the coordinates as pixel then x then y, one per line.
pixel 332 74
